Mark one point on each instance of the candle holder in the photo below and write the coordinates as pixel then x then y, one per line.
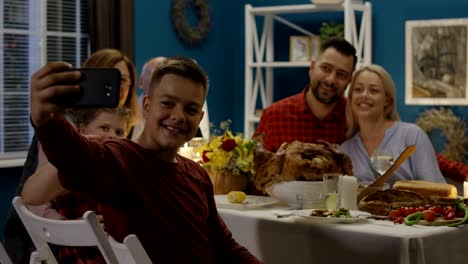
pixel 189 149
pixel 186 151
pixel 196 143
pixel 465 189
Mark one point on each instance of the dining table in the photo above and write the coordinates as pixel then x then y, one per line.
pixel 293 238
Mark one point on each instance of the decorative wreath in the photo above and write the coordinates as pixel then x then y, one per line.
pixel 186 32
pixel 453 128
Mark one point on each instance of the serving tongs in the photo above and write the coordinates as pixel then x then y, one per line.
pixel 404 155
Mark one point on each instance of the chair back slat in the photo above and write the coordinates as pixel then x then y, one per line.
pixel 85 232
pixel 131 251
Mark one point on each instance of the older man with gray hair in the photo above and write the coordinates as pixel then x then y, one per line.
pixel 146 72
pixel 145 79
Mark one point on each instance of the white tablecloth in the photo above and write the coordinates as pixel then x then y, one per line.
pixel 286 240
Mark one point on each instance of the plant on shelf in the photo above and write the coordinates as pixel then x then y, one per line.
pixel 331 29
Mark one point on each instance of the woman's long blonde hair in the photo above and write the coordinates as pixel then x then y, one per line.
pixel 106 58
pixel 389 89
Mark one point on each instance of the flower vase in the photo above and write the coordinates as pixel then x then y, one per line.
pixel 224 182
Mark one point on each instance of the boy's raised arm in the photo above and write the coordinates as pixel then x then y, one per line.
pixel 51 81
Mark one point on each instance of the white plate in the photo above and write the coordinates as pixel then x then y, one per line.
pixel 304 216
pixel 252 202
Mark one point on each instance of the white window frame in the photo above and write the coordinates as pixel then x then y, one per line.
pixel 37 49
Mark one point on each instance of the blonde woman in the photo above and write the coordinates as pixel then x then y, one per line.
pixel 374 124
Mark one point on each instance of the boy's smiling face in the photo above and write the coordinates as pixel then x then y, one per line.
pixel 172 112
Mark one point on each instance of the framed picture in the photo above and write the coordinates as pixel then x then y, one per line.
pixel 300 48
pixel 436 62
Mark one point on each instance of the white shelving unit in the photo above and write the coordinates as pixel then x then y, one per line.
pixel 259 51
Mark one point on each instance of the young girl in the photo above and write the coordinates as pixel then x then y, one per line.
pixel 103 123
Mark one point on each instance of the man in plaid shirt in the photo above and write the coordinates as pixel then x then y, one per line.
pixel 318 112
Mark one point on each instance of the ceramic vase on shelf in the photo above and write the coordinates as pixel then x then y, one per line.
pixel 224 182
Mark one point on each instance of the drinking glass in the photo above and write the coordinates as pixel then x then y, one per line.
pixel 382 160
pixel 310 200
pixel 196 143
pixel 331 183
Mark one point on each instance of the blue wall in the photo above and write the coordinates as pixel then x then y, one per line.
pixel 222 54
pixel 389 40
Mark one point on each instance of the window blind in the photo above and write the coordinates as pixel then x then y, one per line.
pixel 33 32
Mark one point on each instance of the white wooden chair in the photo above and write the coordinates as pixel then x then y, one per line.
pixel 130 251
pixel 4 258
pixel 85 232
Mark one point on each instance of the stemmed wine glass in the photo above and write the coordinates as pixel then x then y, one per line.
pixel 381 160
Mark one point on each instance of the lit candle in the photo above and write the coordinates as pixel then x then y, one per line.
pixel 186 151
pixel 465 189
pixel 348 192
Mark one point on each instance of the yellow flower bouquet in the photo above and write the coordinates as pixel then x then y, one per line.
pixel 228 158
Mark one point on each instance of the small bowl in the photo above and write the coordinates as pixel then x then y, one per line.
pixel 287 192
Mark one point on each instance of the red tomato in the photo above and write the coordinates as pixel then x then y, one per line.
pixel 450 215
pixel 399 220
pixel 410 210
pixel 449 212
pixel 437 209
pixel 421 208
pixel 405 211
pixel 429 215
pixel 394 214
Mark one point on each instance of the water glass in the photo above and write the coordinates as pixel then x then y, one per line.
pixel 310 200
pixel 331 185
pixel 381 160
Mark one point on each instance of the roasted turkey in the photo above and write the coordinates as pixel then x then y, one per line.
pixel 298 161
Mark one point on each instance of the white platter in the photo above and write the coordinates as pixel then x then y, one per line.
pixel 286 192
pixel 252 202
pixel 356 216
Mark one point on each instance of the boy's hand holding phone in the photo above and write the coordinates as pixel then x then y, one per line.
pixel 58 86
pixel 99 87
pixel 48 83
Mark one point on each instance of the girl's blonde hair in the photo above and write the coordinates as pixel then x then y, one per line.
pixel 87 115
pixel 389 90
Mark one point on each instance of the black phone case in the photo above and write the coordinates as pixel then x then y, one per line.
pixel 99 88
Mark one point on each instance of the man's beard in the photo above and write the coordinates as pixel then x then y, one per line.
pixel 322 99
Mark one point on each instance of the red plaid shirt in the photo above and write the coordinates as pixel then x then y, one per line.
pixel 291 119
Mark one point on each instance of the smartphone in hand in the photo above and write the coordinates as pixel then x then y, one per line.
pixel 99 87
